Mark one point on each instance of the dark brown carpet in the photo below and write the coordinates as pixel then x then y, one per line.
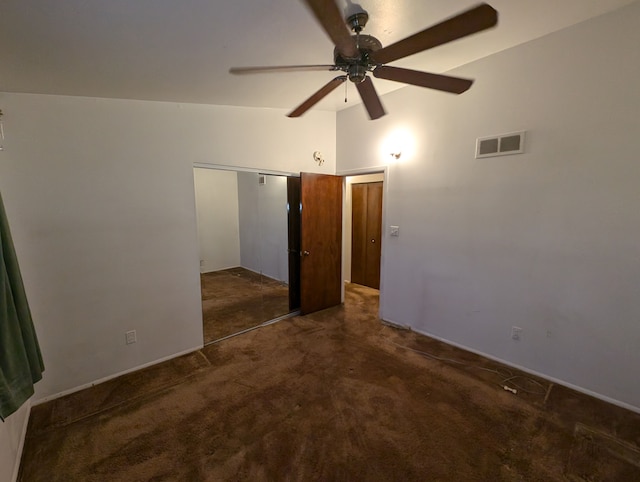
pixel 335 395
pixel 236 299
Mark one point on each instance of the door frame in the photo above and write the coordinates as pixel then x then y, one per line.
pixel 224 167
pixel 384 170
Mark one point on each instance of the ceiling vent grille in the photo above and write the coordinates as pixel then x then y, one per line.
pixel 500 145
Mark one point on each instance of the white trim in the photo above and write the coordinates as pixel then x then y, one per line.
pixel 557 381
pixel 385 196
pixel 363 171
pixel 291 314
pixel 222 167
pixel 64 393
pixel 23 436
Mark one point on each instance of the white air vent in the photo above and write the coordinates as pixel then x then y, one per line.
pixel 501 145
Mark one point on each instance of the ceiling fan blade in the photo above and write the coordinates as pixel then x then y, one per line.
pixel 370 99
pixel 280 68
pixel 455 85
pixel 474 20
pixel 330 18
pixel 315 98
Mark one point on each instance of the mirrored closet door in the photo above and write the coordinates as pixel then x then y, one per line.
pixel 243 234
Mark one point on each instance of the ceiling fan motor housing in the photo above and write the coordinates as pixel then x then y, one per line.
pixel 357 73
pixel 358 68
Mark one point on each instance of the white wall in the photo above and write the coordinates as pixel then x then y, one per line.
pixel 546 240
pixel 218 225
pixel 100 197
pixel 274 230
pixel 249 226
pixel 12 433
pixel 263 225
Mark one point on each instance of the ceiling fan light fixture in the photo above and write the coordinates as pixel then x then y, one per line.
pixel 357 73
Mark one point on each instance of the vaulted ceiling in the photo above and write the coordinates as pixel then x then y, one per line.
pixel 167 50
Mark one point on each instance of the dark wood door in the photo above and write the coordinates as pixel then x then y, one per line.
pixel 366 238
pixel 321 261
pixel 293 224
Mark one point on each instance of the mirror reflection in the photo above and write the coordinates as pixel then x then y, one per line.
pixel 243 244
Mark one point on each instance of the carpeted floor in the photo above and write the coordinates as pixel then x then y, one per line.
pixel 334 395
pixel 236 299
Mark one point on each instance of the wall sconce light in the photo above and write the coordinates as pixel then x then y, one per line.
pixel 317 156
pixel 397 143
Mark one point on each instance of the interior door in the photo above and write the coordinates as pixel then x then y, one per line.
pixel 293 220
pixel 321 226
pixel 358 233
pixel 366 241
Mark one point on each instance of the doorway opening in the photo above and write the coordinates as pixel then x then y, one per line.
pixel 363 239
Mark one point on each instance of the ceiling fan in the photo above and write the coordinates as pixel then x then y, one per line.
pixel 358 54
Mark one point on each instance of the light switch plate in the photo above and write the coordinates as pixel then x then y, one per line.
pixel 394 231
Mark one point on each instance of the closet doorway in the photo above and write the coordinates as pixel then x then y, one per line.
pixel 363 228
pixel 245 235
pixel 366 235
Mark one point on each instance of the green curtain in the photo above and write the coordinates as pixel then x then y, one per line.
pixel 20 358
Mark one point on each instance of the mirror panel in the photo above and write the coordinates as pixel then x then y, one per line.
pixel 243 238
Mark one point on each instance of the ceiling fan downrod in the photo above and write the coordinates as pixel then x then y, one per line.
pixel 358 21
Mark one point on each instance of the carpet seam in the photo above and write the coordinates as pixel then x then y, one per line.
pixel 143 396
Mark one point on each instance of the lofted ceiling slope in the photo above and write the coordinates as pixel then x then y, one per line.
pixel 172 51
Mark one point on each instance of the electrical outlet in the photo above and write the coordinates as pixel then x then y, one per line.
pixel 516 333
pixel 131 337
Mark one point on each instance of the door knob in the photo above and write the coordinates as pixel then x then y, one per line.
pixel 306 253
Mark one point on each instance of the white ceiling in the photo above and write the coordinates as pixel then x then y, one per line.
pixel 181 51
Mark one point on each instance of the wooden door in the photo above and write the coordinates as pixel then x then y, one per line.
pixel 321 261
pixel 293 224
pixel 366 239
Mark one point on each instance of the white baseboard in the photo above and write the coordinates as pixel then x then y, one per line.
pixel 115 375
pixel 544 376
